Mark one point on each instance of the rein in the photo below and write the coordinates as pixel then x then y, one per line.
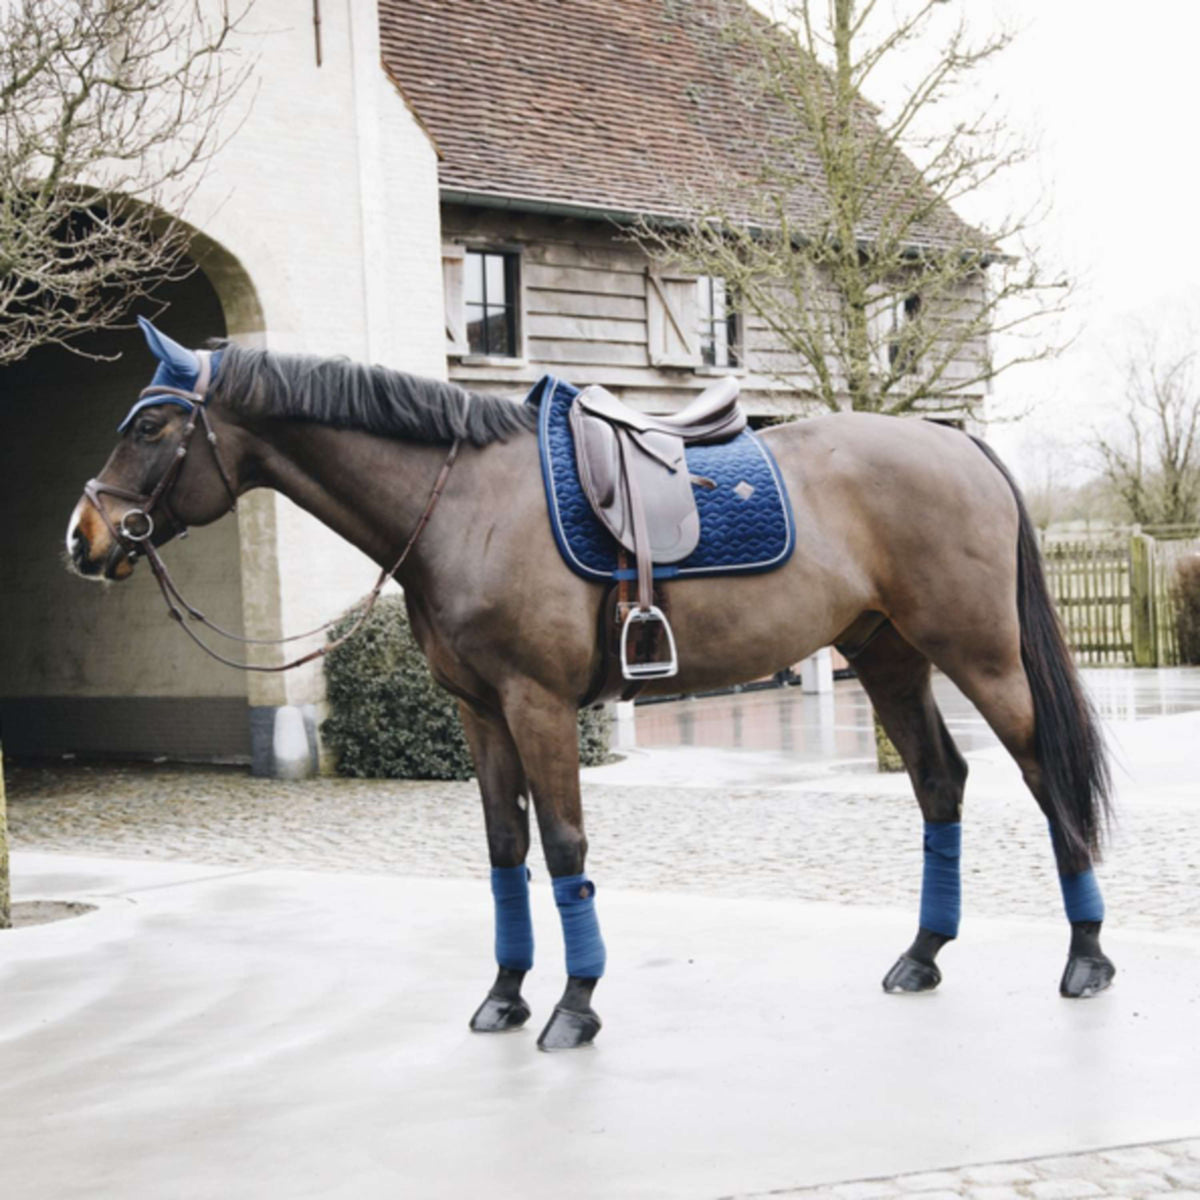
pixel 135 530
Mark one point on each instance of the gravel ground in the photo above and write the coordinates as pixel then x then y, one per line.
pixel 810 844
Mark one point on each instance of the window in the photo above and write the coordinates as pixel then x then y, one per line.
pixel 490 294
pixel 719 341
pixel 901 346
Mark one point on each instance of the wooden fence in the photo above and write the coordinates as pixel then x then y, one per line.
pixel 1116 595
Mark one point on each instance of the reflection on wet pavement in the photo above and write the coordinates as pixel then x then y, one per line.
pixel 837 724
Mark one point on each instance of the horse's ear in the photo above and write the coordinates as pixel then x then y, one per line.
pixel 176 358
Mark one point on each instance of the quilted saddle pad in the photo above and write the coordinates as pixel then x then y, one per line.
pixel 746 521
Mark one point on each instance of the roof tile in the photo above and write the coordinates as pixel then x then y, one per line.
pixel 627 105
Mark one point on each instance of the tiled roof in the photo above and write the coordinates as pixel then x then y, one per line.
pixel 620 105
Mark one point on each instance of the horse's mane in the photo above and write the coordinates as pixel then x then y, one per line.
pixel 349 395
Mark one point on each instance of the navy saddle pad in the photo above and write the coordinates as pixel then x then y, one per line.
pixel 746 522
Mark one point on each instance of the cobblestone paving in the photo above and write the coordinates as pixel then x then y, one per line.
pixel 1165 1169
pixel 808 845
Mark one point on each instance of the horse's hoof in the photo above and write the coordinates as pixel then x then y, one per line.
pixel 568 1030
pixel 909 975
pixel 1086 975
pixel 498 1014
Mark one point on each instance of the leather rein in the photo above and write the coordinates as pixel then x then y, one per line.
pixel 135 531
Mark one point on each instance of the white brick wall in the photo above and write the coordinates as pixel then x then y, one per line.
pixel 327 196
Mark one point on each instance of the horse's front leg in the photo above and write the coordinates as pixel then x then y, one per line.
pixel 506 815
pixel 545 730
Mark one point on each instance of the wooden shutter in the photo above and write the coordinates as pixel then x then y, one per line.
pixel 673 320
pixel 453 270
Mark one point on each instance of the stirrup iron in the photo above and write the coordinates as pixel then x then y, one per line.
pixel 661 669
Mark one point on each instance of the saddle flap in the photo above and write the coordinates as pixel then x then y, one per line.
pixel 619 469
pixel 672 521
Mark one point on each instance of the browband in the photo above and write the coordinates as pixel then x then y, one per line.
pixel 177 396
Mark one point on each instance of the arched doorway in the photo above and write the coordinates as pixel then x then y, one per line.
pixel 92 670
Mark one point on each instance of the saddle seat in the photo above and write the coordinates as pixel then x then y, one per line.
pixel 635 475
pixel 714 416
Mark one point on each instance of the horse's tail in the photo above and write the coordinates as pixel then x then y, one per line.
pixel 1068 743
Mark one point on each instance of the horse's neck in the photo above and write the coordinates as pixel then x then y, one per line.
pixel 371 490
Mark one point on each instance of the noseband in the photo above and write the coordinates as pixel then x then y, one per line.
pixel 134 533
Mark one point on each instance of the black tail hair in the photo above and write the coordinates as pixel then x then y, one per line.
pixel 1068 742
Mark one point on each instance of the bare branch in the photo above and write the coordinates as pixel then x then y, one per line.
pixel 110 111
pixel 833 236
pixel 1153 463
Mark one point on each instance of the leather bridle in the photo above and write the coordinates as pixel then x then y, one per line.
pixel 134 541
pixel 134 533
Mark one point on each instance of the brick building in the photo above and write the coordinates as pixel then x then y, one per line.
pixel 439 185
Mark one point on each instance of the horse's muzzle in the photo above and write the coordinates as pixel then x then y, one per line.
pixel 106 561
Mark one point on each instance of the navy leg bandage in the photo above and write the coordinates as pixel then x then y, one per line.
pixel 514 926
pixel 575 896
pixel 941 884
pixel 1080 892
pixel 1081 897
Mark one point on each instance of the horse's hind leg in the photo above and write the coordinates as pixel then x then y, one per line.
pixel 546 734
pixel 897 679
pixel 1005 700
pixel 502 785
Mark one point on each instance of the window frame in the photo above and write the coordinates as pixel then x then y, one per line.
pixel 734 344
pixel 459 307
pixel 905 312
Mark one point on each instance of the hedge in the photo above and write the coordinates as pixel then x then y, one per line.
pixel 390 720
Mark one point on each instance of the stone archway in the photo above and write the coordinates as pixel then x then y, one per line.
pixel 96 671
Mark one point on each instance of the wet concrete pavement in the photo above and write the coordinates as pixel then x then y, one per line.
pixel 209 1033
pixel 224 1020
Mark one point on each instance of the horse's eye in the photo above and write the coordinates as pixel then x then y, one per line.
pixel 147 427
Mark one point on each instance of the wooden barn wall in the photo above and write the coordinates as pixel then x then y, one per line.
pixel 584 318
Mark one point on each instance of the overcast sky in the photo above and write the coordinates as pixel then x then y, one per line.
pixel 1110 94
pixel 1107 92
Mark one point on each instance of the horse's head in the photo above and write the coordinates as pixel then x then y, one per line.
pixel 160 478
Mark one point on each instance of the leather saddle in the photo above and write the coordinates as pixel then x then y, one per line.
pixel 635 475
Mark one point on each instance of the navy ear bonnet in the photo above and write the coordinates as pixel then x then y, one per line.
pixel 178 367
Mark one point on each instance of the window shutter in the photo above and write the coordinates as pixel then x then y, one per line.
pixel 453 258
pixel 673 320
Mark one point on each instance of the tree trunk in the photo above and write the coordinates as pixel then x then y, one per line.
pixel 5 906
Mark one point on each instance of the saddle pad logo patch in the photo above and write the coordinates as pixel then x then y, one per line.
pixel 746 522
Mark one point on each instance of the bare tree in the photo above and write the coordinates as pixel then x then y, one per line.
pixel 109 110
pixel 836 227
pixel 1153 463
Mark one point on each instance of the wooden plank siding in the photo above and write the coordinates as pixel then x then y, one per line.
pixel 584 315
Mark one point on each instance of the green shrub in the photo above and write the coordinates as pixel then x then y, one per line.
pixel 1187 608
pixel 389 720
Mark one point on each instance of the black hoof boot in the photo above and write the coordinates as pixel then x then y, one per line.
pixel 1089 970
pixel 504 1008
pixel 915 970
pixel 574 1022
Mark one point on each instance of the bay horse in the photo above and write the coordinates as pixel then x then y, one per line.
pixel 913 550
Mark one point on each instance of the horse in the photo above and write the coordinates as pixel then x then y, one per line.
pixel 913 550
